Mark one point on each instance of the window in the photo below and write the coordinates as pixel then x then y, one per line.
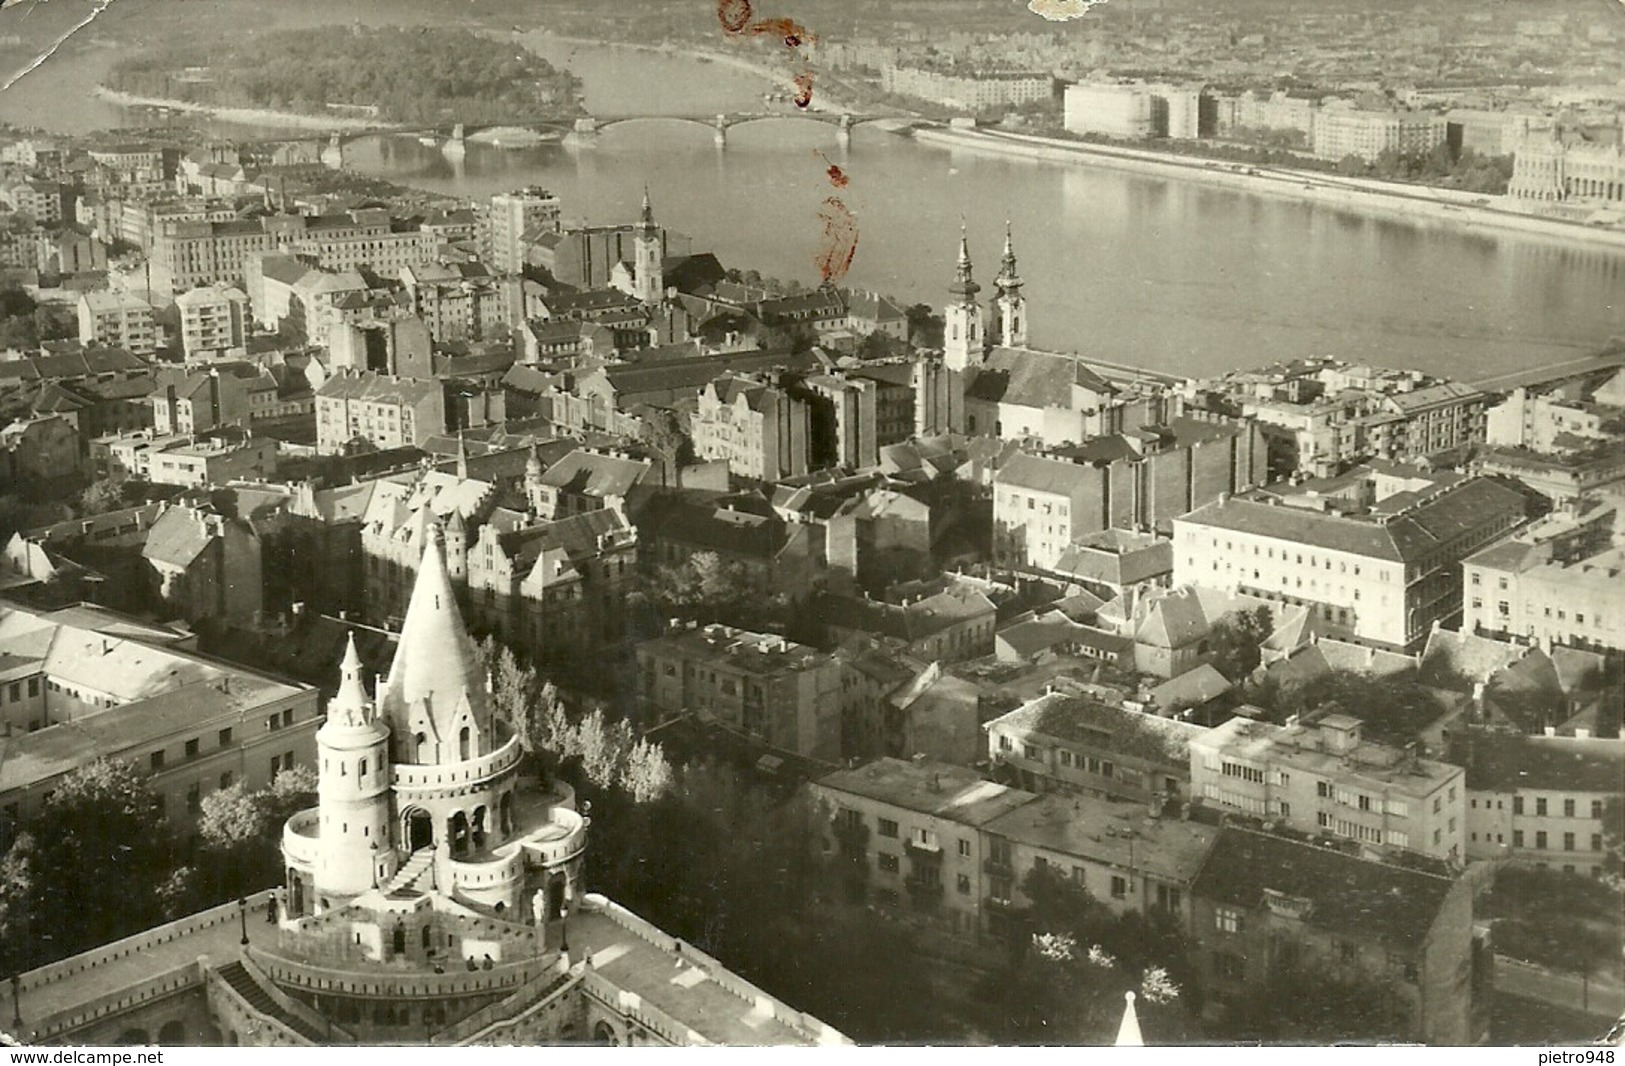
pixel 888 828
pixel 1517 804
pixel 1323 789
pixel 225 779
pixel 33 686
pixel 1540 840
pixel 962 884
pixel 156 760
pixel 1032 752
pixel 1517 838
pixel 1568 841
pixel 191 749
pixel 225 737
pixel 887 862
pixel 1540 806
pixel 287 716
pixel 1079 876
pixel 1568 808
pixel 964 849
pixel 1596 808
pixel 1596 841
pixel 1004 743
pixel 1227 920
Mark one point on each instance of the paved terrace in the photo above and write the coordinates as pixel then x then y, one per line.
pixel 685 988
pixel 86 983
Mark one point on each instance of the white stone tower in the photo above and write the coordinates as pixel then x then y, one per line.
pixel 648 278
pixel 962 319
pixel 1009 306
pixel 355 851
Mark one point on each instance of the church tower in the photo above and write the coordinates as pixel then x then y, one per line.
pixel 1009 307
pixel 354 848
pixel 962 325
pixel 648 278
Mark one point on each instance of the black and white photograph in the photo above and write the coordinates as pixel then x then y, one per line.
pixel 931 524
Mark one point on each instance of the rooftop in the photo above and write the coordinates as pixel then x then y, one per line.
pixel 1118 834
pixel 1082 720
pixel 1327 889
pixel 944 790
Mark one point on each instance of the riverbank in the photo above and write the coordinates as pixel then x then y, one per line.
pixel 245 116
pixel 1466 211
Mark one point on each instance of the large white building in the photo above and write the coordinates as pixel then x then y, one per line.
pixel 1367 134
pixel 214 320
pixel 1380 567
pixel 108 318
pixel 509 217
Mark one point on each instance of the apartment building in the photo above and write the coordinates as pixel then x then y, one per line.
pixel 908 835
pixel 1340 133
pixel 1323 778
pixel 1541 800
pixel 1265 908
pixel 1043 504
pixel 382 410
pixel 1561 580
pixel 969 91
pixel 1129 858
pixel 1076 744
pixel 214 320
pixel 510 217
pixel 113 319
pixel 786 694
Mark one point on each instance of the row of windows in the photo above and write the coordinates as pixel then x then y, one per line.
pixel 155 761
pixel 1570 807
pixel 1541 840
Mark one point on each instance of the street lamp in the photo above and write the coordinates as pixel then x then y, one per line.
pixel 242 917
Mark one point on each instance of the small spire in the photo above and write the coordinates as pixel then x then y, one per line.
pixel 533 462
pixel 349 705
pixel 1128 1033
pixel 1008 280
pixel 648 216
pixel 964 285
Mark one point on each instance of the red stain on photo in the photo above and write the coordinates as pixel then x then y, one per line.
pixel 804 87
pixel 837 176
pixel 840 241
pixel 734 15
pixel 793 32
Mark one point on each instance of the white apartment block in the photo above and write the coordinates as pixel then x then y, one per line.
pixel 1323 778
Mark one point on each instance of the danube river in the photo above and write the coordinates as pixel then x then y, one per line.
pixel 1163 273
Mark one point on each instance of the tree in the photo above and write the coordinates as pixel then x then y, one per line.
pixel 20 878
pixel 1234 642
pixel 925 326
pixel 96 854
pixel 704 586
pixel 1302 1002
pixel 106 494
pixel 232 818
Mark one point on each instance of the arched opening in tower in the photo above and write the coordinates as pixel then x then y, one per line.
pixel 419 829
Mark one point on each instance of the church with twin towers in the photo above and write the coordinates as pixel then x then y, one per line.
pixel 434 895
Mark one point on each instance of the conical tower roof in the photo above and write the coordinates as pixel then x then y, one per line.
pixel 1008 280
pixel 1128 1030
pixel 964 286
pixel 435 661
pixel 349 708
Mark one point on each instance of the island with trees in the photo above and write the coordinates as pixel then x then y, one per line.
pixel 412 74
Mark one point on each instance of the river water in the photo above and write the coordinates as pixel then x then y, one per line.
pixel 1162 273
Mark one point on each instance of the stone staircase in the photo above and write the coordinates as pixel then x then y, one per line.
pixel 244 985
pixel 410 881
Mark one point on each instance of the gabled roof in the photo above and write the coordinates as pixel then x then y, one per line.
pixel 1102 727
pixel 1028 378
pixel 596 474
pixel 178 537
pixel 1039 474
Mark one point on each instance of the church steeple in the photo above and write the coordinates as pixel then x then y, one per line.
pixel 648 275
pixel 1009 307
pixel 962 318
